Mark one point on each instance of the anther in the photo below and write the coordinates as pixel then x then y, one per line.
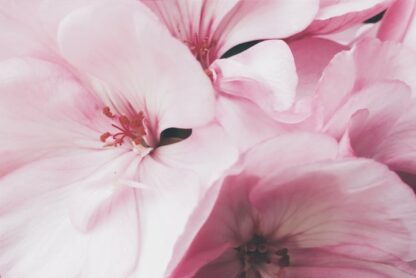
pixel 129 127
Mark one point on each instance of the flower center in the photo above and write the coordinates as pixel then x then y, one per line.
pixel 128 128
pixel 256 253
pixel 201 48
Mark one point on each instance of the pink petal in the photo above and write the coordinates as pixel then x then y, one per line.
pixel 245 123
pixel 391 61
pixel 293 149
pixel 369 62
pixel 96 194
pixel 207 152
pixel 164 209
pixel 312 55
pixel 137 63
pixel 335 16
pixel 43 108
pixel 321 205
pixel 252 20
pixel 397 22
pixel 397 148
pixel 193 20
pixel 264 74
pixel 346 262
pixel 229 223
pixel 36 226
pixel 382 115
pixel 229 219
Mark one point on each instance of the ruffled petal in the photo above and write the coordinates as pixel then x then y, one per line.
pixel 268 19
pixel 335 16
pixel 312 55
pixel 264 74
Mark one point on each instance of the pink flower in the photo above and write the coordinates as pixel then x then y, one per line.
pixel 211 27
pixel 288 211
pixel 93 181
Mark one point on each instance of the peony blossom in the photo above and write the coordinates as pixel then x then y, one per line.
pixel 92 175
pixel 300 214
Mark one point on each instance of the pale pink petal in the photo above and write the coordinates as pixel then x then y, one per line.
pixel 397 148
pixel 323 204
pixel 268 19
pixel 335 16
pixel 264 74
pixel 36 227
pixel 368 62
pixel 207 152
pixel 382 115
pixel 289 150
pixel 94 195
pixel 245 123
pixel 377 60
pixel 312 55
pixel 133 49
pixel 43 108
pixel 338 80
pixel 164 209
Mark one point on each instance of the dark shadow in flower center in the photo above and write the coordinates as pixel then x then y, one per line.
pixel 257 252
pixel 173 135
pixel 408 178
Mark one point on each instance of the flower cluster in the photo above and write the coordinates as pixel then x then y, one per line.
pixel 207 138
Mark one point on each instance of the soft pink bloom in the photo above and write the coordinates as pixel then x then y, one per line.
pixel 256 88
pixel 211 27
pixel 91 185
pixel 290 211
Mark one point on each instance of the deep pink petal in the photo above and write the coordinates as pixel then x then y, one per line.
pixel 397 22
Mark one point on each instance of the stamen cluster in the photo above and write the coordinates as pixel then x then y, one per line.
pixel 129 127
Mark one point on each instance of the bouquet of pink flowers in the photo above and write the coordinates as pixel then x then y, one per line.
pixel 208 138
